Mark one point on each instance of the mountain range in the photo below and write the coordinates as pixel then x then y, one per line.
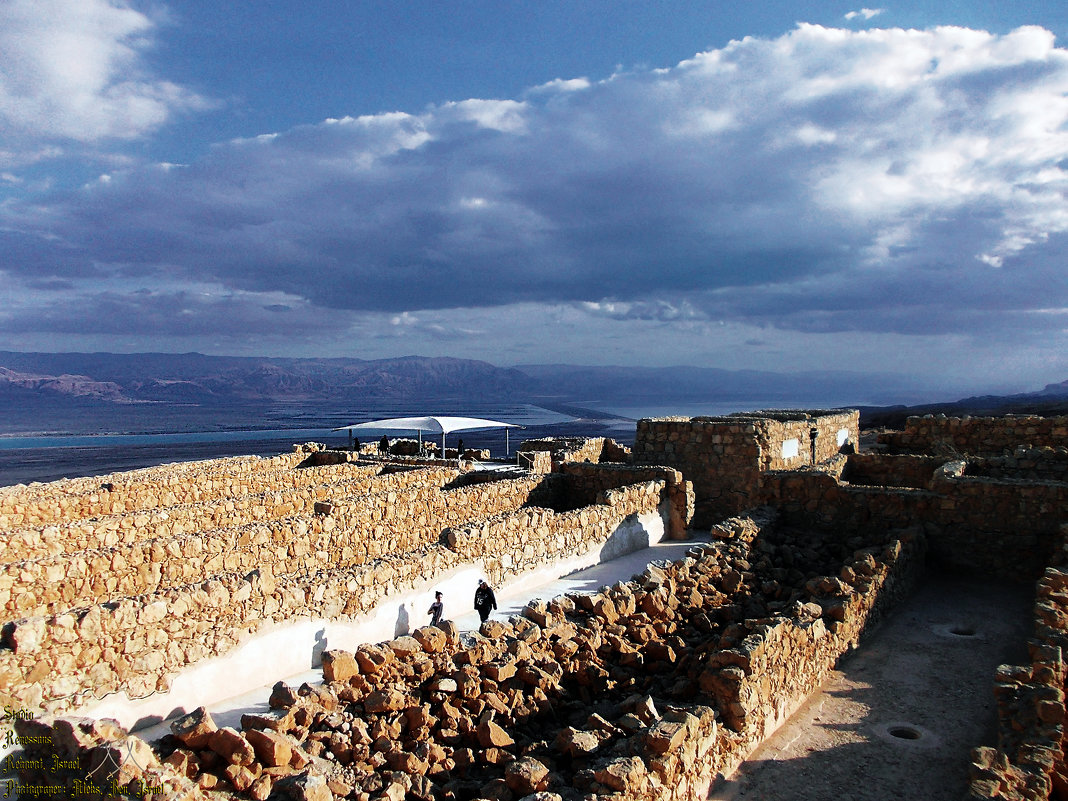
pixel 36 389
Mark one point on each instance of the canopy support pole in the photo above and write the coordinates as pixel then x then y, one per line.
pixel 506 448
pixel 442 444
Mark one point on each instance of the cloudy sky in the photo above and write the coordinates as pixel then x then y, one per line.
pixel 773 185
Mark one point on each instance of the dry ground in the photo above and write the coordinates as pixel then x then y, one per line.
pixel 925 673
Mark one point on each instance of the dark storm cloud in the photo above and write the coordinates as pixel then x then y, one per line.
pixel 884 180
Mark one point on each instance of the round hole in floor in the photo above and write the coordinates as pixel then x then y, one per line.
pixel 962 631
pixel 904 732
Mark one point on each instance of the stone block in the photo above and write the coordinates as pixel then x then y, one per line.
pixel 339 666
pixel 195 730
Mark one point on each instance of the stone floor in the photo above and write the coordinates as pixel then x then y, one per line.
pixel 900 716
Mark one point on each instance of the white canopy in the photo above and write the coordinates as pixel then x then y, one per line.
pixel 437 425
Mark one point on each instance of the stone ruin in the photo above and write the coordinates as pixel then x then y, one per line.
pixel 649 689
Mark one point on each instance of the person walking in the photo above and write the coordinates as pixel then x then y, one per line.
pixel 436 609
pixel 485 600
pixel 383 445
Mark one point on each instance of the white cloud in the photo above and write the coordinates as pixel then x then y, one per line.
pixel 865 13
pixel 74 70
pixel 562 85
pixel 884 181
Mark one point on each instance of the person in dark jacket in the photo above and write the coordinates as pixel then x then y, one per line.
pixel 436 609
pixel 485 600
pixel 383 445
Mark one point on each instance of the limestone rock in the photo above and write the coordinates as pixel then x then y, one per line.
pixel 526 775
pixel 282 696
pixel 231 746
pixel 195 730
pixel 490 735
pixel 405 647
pixel 575 742
pixel 622 775
pixel 432 639
pixel 339 666
pixel 389 700
pixel 272 749
pixel 304 787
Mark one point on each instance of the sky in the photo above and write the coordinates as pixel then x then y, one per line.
pixel 778 186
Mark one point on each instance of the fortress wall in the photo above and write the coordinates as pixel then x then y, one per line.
pixel 881 470
pixel 136 644
pixel 725 456
pixel 721 459
pixel 978 525
pixel 586 482
pixel 398 515
pixel 534 533
pixel 578 449
pixel 243 505
pixel 833 430
pixel 1031 464
pixel 976 436
pixel 169 484
pixel 684 688
pixel 1029 760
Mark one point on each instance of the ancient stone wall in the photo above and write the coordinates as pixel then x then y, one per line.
pixel 578 449
pixel 243 507
pixel 725 456
pixel 213 589
pixel 975 436
pixel 587 482
pixel 121 493
pixel 980 525
pixel 881 470
pixel 646 690
pixel 721 459
pixel 1029 760
pixel 1027 464
pixel 392 513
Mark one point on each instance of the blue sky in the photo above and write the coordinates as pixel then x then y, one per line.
pixel 777 186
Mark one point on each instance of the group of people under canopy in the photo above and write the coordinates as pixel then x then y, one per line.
pixel 434 425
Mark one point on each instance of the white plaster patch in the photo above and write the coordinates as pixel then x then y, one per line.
pixel 790 448
pixel 843 436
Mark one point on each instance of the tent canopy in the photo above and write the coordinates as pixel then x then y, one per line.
pixel 433 424
pixel 438 425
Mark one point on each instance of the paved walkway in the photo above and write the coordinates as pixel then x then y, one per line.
pixel 926 675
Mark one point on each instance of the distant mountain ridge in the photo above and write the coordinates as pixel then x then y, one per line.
pixel 72 385
pixel 42 388
pixel 195 378
pixel 1052 400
